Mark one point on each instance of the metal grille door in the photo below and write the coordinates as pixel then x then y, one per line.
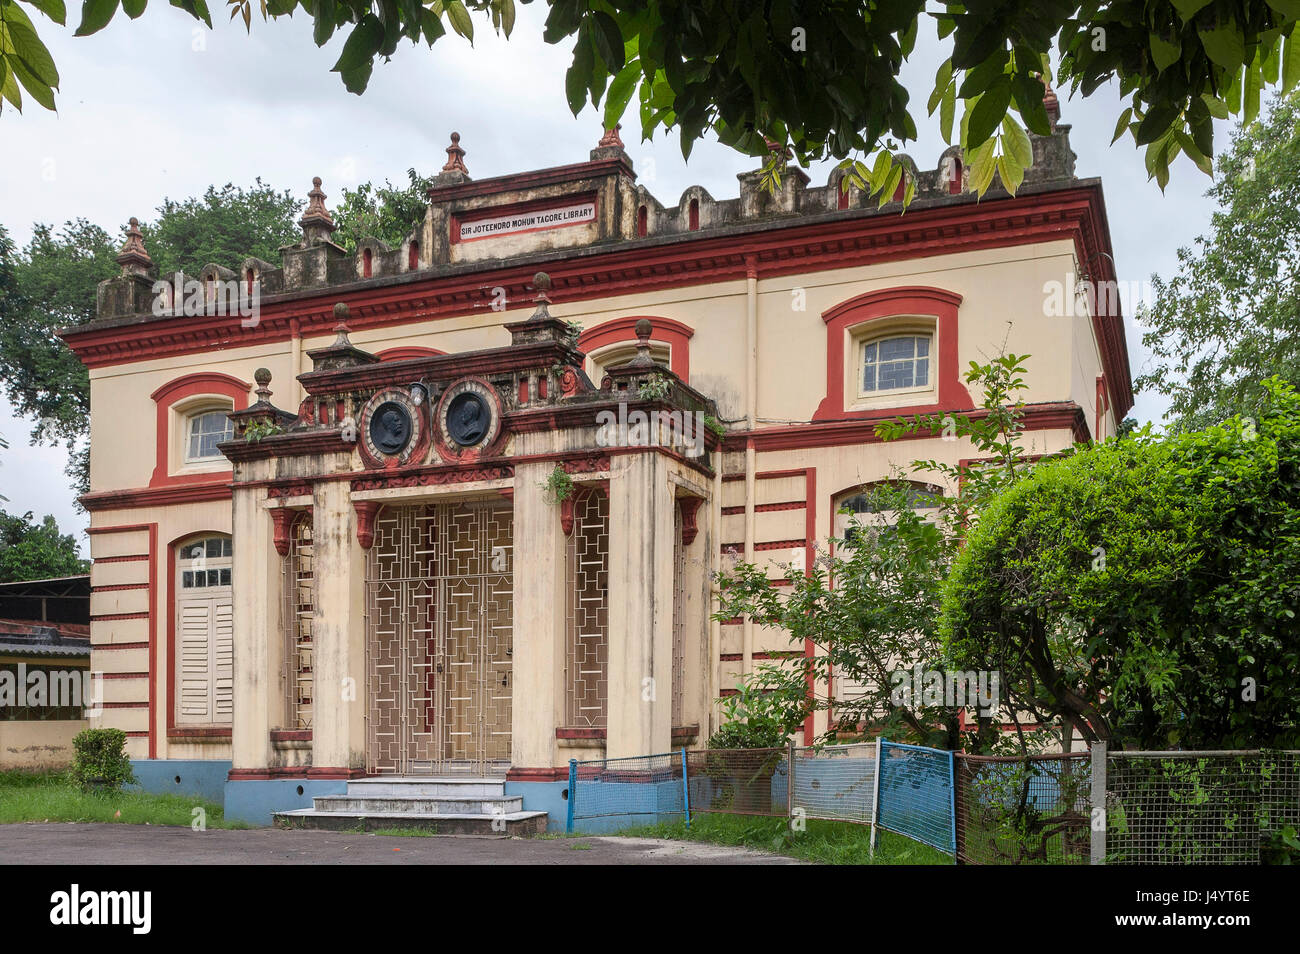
pixel 439 639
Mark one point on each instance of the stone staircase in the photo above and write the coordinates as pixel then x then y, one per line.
pixel 448 806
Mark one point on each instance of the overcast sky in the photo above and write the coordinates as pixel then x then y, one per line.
pixel 162 107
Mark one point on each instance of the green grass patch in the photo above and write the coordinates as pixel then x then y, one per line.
pixel 824 842
pixel 406 832
pixel 52 797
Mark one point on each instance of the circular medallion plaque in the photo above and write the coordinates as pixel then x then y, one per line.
pixel 390 427
pixel 469 416
pixel 392 430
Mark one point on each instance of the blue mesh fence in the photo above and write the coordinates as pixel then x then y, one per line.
pixel 608 794
pixel 916 794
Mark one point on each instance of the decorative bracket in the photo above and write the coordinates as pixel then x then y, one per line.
pixel 366 511
pixel 690 508
pixel 282 518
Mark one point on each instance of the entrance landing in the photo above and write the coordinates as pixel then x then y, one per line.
pixel 447 806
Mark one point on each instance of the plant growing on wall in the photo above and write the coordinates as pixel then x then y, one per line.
pixel 259 429
pixel 655 387
pixel 558 485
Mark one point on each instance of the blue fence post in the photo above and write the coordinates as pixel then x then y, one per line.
pixel 875 794
pixel 686 790
pixel 952 780
pixel 573 794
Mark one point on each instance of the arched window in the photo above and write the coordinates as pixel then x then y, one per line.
pixel 413 256
pixel 954 177
pixel 204 430
pixel 367 263
pixel 693 214
pixel 642 221
pixel 895 363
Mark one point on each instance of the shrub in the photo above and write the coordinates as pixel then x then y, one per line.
pixel 1143 589
pixel 100 760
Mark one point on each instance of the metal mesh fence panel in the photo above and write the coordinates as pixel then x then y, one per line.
pixel 1014 811
pixel 630 791
pixel 835 782
pixel 739 781
pixel 916 788
pixel 1199 807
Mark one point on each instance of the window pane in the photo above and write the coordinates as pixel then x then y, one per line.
pixel 187 578
pixel 225 577
pixel 869 353
pixel 895 348
pixel 213 546
pixel 895 374
pixel 922 347
pixel 869 377
pixel 922 372
pixel 207 430
pixel 226 547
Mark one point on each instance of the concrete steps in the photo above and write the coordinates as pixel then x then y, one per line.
pixel 448 806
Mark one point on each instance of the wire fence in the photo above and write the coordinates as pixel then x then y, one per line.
pixel 1094 807
pixel 1013 811
pixel 1217 808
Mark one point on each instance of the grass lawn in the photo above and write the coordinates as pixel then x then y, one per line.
pixel 825 842
pixel 51 796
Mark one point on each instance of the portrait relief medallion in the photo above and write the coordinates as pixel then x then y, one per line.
pixel 469 415
pixel 392 428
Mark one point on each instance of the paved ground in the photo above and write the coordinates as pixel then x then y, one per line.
pixel 92 844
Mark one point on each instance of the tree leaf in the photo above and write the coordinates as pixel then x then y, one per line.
pixel 1291 60
pixel 54 9
pixel 620 92
pixel 1189 8
pixel 608 39
pixel 988 112
pixel 1011 173
pixel 362 44
pixel 1225 45
pixel 459 19
pixel 1124 119
pixel 133 9
pixel 95 15
pixel 1015 141
pixel 1164 53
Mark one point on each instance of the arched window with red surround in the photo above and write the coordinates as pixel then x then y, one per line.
pixel 642 221
pixel 190 422
pixel 413 256
pixel 693 215
pixel 613 342
pixel 893 351
pixel 367 263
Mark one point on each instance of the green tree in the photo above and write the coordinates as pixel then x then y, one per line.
pixel 1143 590
pixel 51 284
pixel 47 286
pixel 36 551
pixel 1230 317
pixel 383 212
pixel 870 603
pixel 820 77
pixel 224 226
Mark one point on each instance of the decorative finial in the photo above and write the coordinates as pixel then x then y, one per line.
pixel 643 330
pixel 542 282
pixel 1050 102
pixel 341 315
pixel 263 378
pixel 316 221
pixel 611 138
pixel 455 156
pixel 133 258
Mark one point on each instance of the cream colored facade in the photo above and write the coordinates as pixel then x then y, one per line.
pixel 761 312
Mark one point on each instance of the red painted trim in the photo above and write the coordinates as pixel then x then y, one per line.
pixel 581 733
pixel 887 303
pixel 152 615
pixel 1074 213
pixel 666 331
pixel 132 558
pixel 117 587
pixel 124 675
pixel 188 386
pixel 291 735
pixel 104 616
pixel 182 733
pixel 810 555
pixel 404 352
pixel 125 705
pixel 537 774
pixel 145 497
